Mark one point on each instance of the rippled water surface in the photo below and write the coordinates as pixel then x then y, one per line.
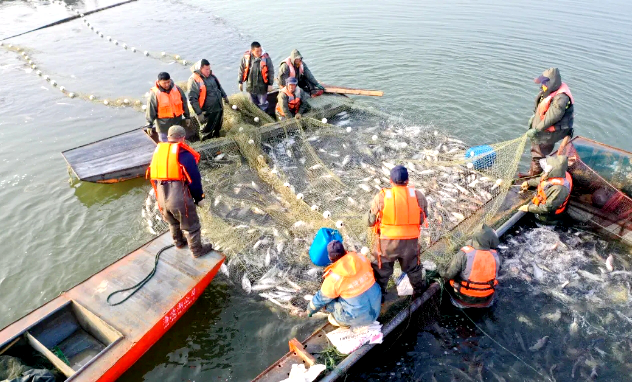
pixel 464 67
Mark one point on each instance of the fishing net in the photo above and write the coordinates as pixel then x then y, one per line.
pixel 602 179
pixel 272 185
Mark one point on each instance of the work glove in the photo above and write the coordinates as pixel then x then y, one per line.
pixel 187 122
pixel 530 121
pixel 321 87
pixel 309 313
pixel 269 88
pixel 201 203
pixel 241 87
pixel 149 129
pixel 524 186
pixel 531 133
pixel 298 116
pixel 202 118
pixel 226 100
pixel 524 208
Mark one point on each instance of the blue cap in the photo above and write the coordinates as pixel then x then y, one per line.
pixel 399 174
pixel 291 81
pixel 541 80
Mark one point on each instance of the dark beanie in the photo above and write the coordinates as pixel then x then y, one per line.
pixel 335 250
pixel 399 175
pixel 163 76
pixel 205 62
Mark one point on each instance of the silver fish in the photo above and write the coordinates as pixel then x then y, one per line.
pixel 540 344
pixel 610 263
pixel 245 283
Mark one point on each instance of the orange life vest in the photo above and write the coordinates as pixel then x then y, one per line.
pixel 481 280
pixel 165 164
pixel 400 217
pixel 264 66
pixel 544 105
pixel 169 103
pixel 290 64
pixel 545 184
pixel 293 102
pixel 339 283
pixel 202 86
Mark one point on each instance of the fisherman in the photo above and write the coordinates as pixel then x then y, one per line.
pixel 291 101
pixel 167 105
pixel 177 182
pixel 473 271
pixel 257 72
pixel 554 190
pixel 349 291
pixel 294 66
pixel 396 215
pixel 552 119
pixel 205 97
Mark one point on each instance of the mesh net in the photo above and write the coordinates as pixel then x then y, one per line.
pixel 272 185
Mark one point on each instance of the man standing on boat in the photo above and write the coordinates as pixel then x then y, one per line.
pixel 294 67
pixel 473 271
pixel 167 105
pixel 291 101
pixel 554 190
pixel 257 71
pixel 205 97
pixel 553 117
pixel 177 182
pixel 396 216
pixel 349 291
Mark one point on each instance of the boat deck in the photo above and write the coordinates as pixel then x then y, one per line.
pixel 123 332
pixel 110 160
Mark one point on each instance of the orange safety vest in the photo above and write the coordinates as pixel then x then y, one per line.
pixel 293 102
pixel 544 185
pixel 165 164
pixel 482 278
pixel 400 217
pixel 202 86
pixel 264 67
pixel 290 64
pixel 169 103
pixel 338 283
pixel 544 105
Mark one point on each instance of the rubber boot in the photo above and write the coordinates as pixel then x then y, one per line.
pixel 177 236
pixel 195 243
pixel 418 282
pixel 535 169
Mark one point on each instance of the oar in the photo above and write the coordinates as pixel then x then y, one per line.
pixel 352 91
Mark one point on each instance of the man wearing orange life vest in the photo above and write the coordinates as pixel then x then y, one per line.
pixel 257 72
pixel 397 215
pixel 349 291
pixel 291 101
pixel 167 105
pixel 553 118
pixel 205 98
pixel 177 182
pixel 294 66
pixel 554 190
pixel 473 270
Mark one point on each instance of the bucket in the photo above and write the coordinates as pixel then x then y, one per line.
pixel 318 250
pixel 486 156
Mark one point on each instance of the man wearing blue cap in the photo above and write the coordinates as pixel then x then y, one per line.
pixel 291 101
pixel 552 119
pixel 396 216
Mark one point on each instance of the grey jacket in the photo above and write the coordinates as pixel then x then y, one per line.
pixel 214 92
pixel 484 239
pixel 255 83
pixel 555 195
pixel 306 77
pixel 560 113
pixel 282 101
pixel 163 124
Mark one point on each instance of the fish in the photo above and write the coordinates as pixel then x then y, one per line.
pixel 345 160
pixel 245 283
pixel 520 341
pixel 555 316
pixel 589 276
pixel 224 269
pixel 540 344
pixel 260 287
pixel 266 262
pixel 365 187
pixel 538 274
pixel 610 263
pixel 426 172
pixel 284 289
pixel 308 297
pixel 293 284
pixel 459 216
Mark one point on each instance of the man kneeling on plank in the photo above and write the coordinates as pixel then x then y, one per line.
pixel 349 291
pixel 554 190
pixel 291 101
pixel 473 271
pixel 177 182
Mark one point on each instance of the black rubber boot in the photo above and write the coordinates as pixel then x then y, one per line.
pixel 195 244
pixel 178 237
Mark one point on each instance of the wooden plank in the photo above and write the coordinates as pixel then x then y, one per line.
pixel 94 325
pixel 298 349
pixel 352 91
pixel 61 365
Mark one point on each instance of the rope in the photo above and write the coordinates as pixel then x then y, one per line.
pixel 144 281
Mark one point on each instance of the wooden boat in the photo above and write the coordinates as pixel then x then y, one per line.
pixel 86 339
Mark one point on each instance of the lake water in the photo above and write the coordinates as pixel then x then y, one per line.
pixel 464 67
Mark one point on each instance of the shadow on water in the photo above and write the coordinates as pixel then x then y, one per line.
pixel 90 194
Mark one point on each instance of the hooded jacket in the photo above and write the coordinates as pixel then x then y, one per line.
pixel 255 83
pixel 151 114
pixel 555 195
pixel 349 291
pixel 303 79
pixel 560 113
pixel 214 91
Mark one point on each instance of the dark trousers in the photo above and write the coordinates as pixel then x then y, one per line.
pixel 261 100
pixel 407 253
pixel 539 151
pixel 213 124
pixel 178 208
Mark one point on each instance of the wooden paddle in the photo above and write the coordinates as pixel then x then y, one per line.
pixel 352 91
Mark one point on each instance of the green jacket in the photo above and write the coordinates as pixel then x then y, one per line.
pixel 255 83
pixel 214 92
pixel 484 239
pixel 306 77
pixel 163 124
pixel 560 113
pixel 555 195
pixel 282 101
